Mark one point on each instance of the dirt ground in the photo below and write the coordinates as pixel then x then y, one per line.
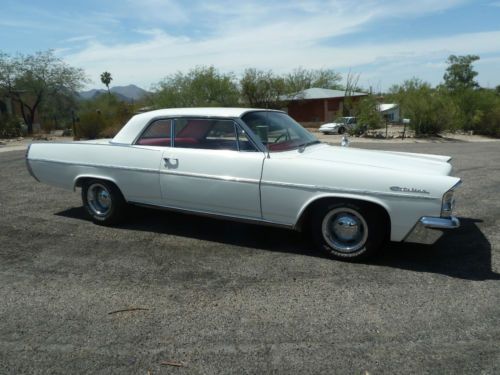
pixel 219 297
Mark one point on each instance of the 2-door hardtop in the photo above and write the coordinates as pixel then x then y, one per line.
pixel 259 166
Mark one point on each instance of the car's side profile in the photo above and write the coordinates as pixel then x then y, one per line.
pixel 339 125
pixel 258 166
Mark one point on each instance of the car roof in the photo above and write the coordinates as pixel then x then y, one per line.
pixel 199 111
pixel 135 125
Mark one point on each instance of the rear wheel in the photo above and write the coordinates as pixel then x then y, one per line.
pixel 347 230
pixel 341 130
pixel 103 201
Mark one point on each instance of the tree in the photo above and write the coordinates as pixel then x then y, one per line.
pixel 429 110
pixel 460 84
pixel 29 80
pixel 301 79
pixel 351 86
pixel 367 113
pixel 200 87
pixel 262 89
pixel 106 79
pixel 460 74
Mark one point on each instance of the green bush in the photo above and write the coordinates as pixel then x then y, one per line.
pixel 431 111
pixel 110 131
pixel 368 115
pixel 90 126
pixel 10 127
pixel 103 117
pixel 486 116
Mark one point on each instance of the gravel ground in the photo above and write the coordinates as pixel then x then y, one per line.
pixel 221 297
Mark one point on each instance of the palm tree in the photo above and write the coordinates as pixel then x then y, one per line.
pixel 106 79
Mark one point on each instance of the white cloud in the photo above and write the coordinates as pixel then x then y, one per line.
pixel 281 37
pixel 79 38
pixel 166 11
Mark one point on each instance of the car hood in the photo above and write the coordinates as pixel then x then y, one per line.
pixel 388 160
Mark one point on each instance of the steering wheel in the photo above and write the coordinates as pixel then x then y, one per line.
pixel 284 135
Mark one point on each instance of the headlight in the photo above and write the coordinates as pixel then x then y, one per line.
pixel 448 202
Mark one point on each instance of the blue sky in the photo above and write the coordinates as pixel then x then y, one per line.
pixel 142 41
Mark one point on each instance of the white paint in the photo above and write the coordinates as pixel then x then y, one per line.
pixel 229 183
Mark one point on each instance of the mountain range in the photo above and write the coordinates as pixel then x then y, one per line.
pixel 127 93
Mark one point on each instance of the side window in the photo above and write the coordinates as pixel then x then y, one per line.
pixel 157 134
pixel 244 142
pixel 208 134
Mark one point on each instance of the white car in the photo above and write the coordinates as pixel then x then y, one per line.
pixel 258 166
pixel 338 126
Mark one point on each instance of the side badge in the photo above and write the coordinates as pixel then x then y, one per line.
pixel 408 190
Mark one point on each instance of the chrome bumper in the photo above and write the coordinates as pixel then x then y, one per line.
pixel 429 229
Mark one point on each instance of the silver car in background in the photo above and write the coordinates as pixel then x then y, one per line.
pixel 339 126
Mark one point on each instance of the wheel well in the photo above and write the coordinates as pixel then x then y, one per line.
pixel 81 180
pixel 307 213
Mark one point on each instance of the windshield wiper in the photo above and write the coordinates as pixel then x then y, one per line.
pixel 303 146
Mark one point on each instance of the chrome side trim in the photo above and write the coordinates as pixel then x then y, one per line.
pixel 345 190
pixel 245 180
pixel 108 166
pixel 211 177
pixel 215 216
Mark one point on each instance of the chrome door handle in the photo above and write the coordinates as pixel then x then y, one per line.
pixel 171 162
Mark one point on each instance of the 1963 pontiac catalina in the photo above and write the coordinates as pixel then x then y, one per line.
pixel 258 166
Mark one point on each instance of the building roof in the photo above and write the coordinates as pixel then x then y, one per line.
pixel 387 106
pixel 319 93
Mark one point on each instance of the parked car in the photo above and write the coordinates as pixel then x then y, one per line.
pixel 338 126
pixel 258 166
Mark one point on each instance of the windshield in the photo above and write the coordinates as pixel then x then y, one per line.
pixel 278 131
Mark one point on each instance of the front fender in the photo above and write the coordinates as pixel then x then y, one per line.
pixel 318 197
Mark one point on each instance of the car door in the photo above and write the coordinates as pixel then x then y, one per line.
pixel 213 167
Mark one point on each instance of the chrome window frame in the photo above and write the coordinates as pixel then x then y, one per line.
pixel 237 121
pixel 151 123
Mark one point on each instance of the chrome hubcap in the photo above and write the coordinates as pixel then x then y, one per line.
pixel 345 230
pixel 99 199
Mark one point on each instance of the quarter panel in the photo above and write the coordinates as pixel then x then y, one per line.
pixel 134 169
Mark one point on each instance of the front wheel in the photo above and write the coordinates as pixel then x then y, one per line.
pixel 341 130
pixel 347 230
pixel 103 201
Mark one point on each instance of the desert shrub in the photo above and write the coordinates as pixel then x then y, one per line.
pixel 113 114
pixel 368 115
pixel 10 127
pixel 110 131
pixel 90 126
pixel 428 109
pixel 486 116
